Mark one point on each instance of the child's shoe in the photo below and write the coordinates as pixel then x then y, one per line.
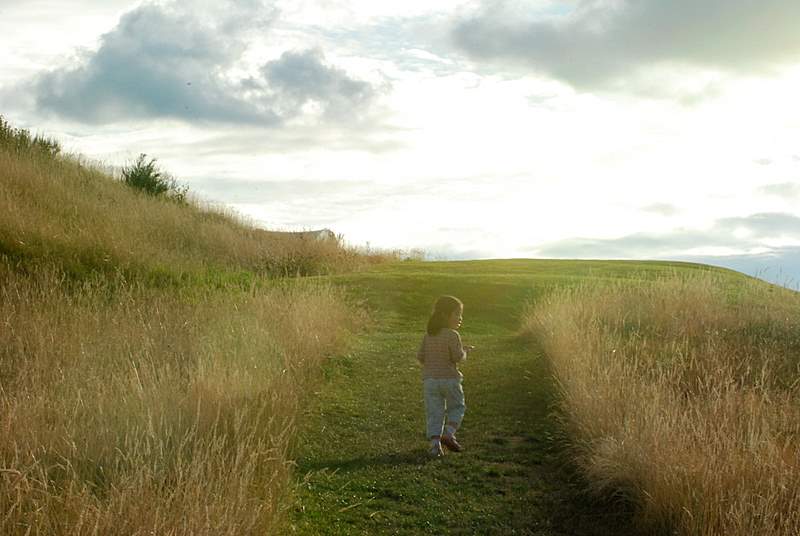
pixel 436 451
pixel 451 443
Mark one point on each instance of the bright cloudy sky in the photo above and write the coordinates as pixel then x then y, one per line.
pixel 640 129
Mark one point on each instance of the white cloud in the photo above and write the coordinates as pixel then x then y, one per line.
pixel 784 190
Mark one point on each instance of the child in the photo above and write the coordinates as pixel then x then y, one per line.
pixel 439 352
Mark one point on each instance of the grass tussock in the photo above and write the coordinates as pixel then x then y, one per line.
pixel 129 410
pixel 683 396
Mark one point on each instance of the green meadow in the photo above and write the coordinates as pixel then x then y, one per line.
pixel 361 453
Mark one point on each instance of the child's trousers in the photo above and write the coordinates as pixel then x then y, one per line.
pixel 443 398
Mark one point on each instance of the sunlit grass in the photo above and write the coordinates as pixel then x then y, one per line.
pixel 682 395
pixel 129 411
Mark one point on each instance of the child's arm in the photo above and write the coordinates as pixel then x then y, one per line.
pixel 421 352
pixel 457 351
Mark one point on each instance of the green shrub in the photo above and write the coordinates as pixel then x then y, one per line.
pixel 145 175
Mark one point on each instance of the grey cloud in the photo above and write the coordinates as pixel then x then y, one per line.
pixel 298 78
pixel 765 225
pixel 602 42
pixel 664 209
pixel 787 190
pixel 167 61
pixel 781 266
pixel 630 246
pixel 339 137
pixel 254 191
pixel 158 62
pixel 448 252
pixel 760 226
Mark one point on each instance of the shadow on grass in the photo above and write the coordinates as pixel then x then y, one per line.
pixel 573 508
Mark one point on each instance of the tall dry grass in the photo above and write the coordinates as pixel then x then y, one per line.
pixel 126 410
pixel 60 210
pixel 683 395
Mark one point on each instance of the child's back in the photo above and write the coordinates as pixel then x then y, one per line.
pixel 439 354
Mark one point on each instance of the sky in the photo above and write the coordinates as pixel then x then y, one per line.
pixel 603 129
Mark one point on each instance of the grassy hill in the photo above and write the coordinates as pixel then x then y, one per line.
pixel 60 210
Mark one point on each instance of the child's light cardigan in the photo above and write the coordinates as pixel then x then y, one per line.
pixel 439 354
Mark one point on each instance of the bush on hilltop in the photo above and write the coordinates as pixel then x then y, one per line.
pixel 144 175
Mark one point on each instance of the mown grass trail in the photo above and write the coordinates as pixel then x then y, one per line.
pixel 361 454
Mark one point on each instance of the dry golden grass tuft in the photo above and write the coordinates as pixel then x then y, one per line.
pixel 684 396
pixel 131 411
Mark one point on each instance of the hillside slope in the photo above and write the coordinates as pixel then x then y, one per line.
pixel 58 210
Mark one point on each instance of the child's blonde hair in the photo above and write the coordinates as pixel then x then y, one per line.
pixel 442 309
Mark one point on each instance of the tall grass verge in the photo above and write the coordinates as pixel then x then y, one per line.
pixel 129 410
pixel 683 396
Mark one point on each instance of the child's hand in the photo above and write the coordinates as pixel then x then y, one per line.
pixel 469 348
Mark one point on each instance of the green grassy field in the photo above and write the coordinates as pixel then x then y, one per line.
pixel 361 453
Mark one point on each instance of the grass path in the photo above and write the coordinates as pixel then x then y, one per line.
pixel 362 466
